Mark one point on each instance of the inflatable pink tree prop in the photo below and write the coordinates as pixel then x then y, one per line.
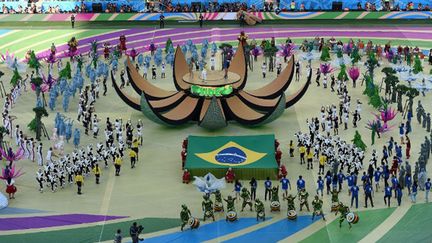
pixel 354 73
pixel 326 68
pixel 11 173
pixel 10 156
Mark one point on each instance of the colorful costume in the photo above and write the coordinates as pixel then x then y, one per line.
pixel 218 199
pixel 335 196
pixel 259 208
pixel 246 196
pixel 343 210
pixel 317 206
pixel 290 202
pixel 275 194
pixel 207 206
pixel 230 203
pixel 303 197
pixel 185 214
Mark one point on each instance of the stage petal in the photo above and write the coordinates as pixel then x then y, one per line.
pixel 238 66
pixel 140 84
pixel 278 86
pixel 131 101
pixel 294 98
pixel 181 68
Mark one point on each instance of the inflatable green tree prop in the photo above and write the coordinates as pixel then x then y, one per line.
pixel 66 72
pixel 358 142
pixel 168 45
pixel 417 65
pixel 34 62
pixel 343 74
pixel 16 77
pixel 325 54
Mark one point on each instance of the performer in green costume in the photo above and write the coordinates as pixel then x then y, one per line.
pixel 207 206
pixel 218 198
pixel 230 203
pixel 335 196
pixel 317 206
pixel 245 195
pixel 303 197
pixel 185 214
pixel 343 210
pixel 290 202
pixel 275 194
pixel 259 208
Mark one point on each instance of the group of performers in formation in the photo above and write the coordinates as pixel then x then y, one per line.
pixel 344 160
pixel 210 208
pixel 58 172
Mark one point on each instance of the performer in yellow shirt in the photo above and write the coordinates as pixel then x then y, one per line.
pixel 132 156
pixel 97 172
pixel 302 151
pixel 117 164
pixel 322 161
pixel 291 148
pixel 79 180
pixel 135 144
pixel 309 156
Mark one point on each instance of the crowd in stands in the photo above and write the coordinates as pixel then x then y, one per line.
pixel 169 6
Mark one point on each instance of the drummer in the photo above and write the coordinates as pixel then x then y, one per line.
pixel 317 206
pixel 343 210
pixel 207 206
pixel 303 197
pixel 230 203
pixel 259 208
pixel 185 214
pixel 290 202
pixel 218 198
pixel 246 196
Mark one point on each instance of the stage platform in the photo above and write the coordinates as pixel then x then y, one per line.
pixel 248 156
pixel 214 78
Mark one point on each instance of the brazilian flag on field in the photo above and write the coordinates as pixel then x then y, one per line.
pixel 247 155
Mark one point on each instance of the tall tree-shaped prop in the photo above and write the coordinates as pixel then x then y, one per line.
pixel 358 142
pixel 417 65
pixel 325 53
pixel 36 124
pixel 16 77
pixel 33 62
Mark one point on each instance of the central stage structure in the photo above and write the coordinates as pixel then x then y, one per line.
pixel 248 156
pixel 213 102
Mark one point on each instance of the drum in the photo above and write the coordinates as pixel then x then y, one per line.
pixel 218 207
pixel 231 216
pixel 208 213
pixel 193 223
pixel 302 201
pixel 334 207
pixel 292 215
pixel 352 218
pixel 261 215
pixel 275 206
pixel 317 212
